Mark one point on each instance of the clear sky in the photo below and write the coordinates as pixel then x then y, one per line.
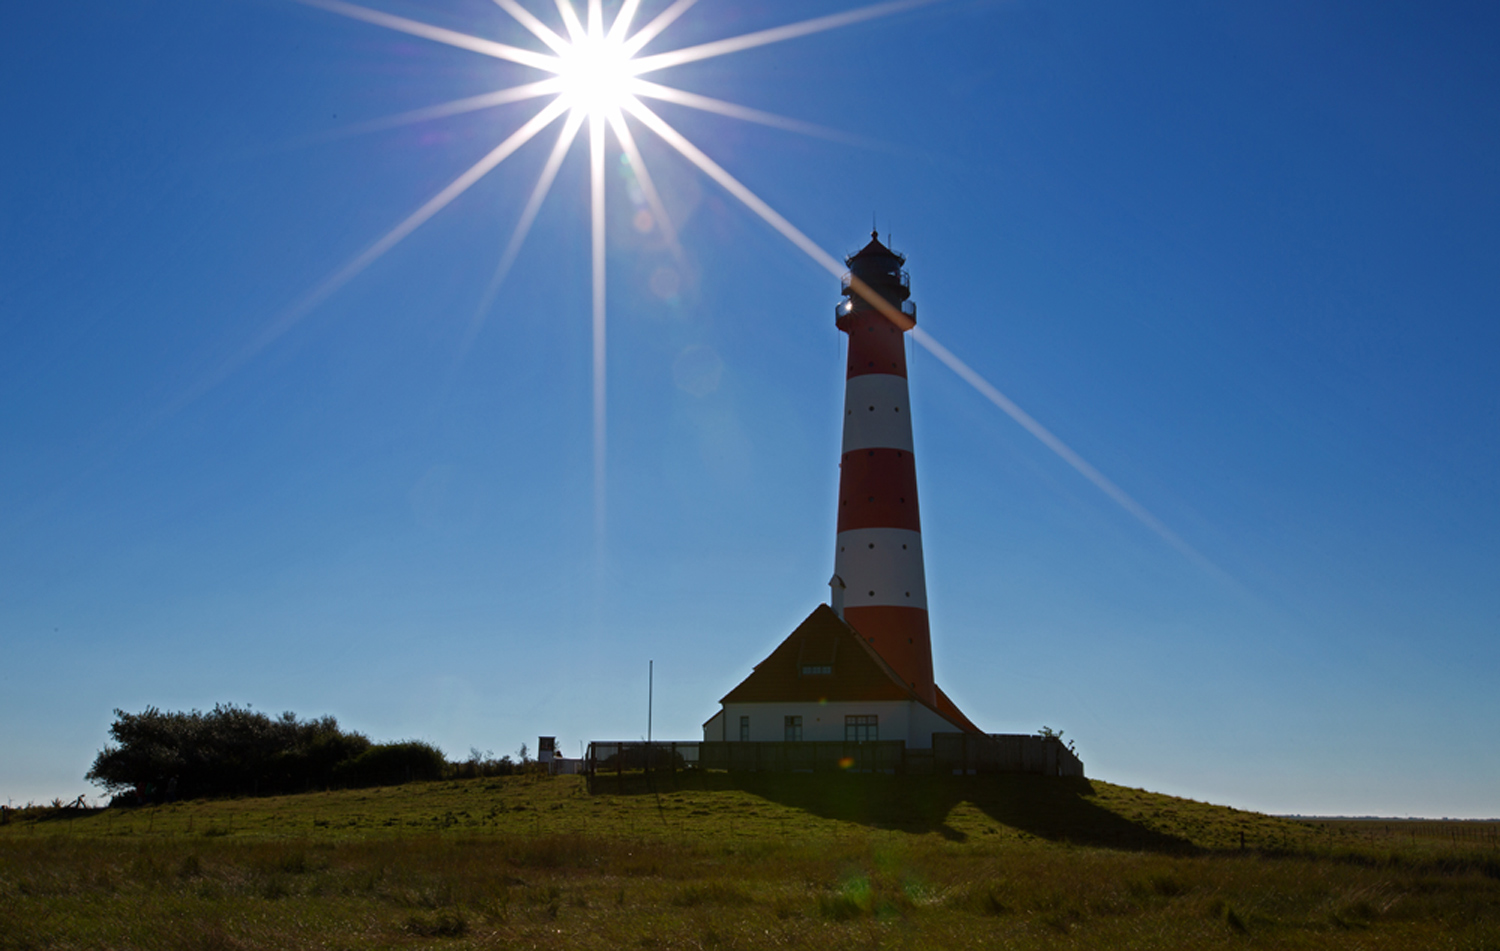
pixel 1241 258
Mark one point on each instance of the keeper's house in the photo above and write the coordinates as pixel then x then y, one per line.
pixel 826 683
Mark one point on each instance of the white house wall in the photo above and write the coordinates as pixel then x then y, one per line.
pixel 899 720
pixel 926 721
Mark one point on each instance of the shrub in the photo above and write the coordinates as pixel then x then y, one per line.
pixel 157 756
pixel 386 764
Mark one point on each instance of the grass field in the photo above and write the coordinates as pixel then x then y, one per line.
pixel 760 862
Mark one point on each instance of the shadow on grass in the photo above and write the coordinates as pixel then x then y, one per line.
pixel 1059 810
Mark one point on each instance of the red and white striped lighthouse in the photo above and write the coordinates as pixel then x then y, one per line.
pixel 879 586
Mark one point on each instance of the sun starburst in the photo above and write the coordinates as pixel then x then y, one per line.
pixel 592 79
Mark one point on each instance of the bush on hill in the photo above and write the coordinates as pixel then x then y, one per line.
pixel 387 764
pixel 232 750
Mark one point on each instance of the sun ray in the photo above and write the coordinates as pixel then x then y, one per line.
pixel 523 227
pixel 596 182
pixel 538 29
pixel 924 339
pixel 437 34
pixel 596 19
pixel 692 100
pixel 648 187
pixel 294 314
pixel 1065 452
pixel 775 35
pixel 576 31
pixel 731 184
pixel 653 29
pixel 618 29
pixel 443 110
pixel 412 222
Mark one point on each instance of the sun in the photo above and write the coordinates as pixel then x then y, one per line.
pixel 595 76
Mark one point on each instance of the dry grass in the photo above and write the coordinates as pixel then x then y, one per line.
pixel 788 862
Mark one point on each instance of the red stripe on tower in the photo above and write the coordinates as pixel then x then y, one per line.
pixel 879 586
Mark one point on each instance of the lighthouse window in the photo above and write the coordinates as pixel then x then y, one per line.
pixel 744 729
pixel 861 728
pixel 817 670
pixel 872 544
pixel 903 548
pixel 872 594
pixel 872 409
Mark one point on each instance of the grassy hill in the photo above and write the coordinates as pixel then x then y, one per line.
pixel 760 861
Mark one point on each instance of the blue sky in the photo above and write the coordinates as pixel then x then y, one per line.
pixel 1240 257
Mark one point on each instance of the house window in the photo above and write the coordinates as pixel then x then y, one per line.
pixel 744 729
pixel 793 727
pixel 861 728
pixel 817 670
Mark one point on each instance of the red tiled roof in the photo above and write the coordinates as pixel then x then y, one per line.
pixel 823 640
pixel 858 672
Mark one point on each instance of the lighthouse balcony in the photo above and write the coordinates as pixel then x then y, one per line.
pixel 846 307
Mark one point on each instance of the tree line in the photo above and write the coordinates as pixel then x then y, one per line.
pixel 158 755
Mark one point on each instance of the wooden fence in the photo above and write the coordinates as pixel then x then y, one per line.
pixel 965 754
pixel 974 754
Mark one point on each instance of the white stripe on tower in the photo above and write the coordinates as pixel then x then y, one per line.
pixel 877 412
pixel 881 566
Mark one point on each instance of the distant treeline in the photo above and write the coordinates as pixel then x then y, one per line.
pixel 229 751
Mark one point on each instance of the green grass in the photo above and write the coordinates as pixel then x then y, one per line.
pixel 785 861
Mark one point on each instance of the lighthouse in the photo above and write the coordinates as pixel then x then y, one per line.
pixel 879 586
pixel 859 669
